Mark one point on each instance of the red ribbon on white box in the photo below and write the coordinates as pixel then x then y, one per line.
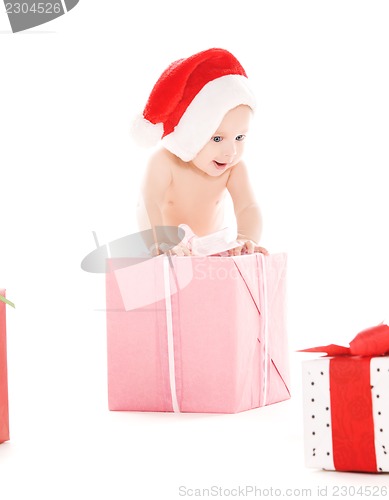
pixel 354 433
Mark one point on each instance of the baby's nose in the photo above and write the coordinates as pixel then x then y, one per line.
pixel 229 148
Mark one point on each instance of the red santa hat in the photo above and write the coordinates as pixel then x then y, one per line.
pixel 189 101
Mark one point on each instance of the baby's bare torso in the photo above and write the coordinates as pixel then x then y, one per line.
pixel 195 198
pixel 190 197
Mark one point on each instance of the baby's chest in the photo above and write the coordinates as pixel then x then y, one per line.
pixel 195 190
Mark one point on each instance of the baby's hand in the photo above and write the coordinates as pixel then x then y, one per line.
pixel 180 249
pixel 247 247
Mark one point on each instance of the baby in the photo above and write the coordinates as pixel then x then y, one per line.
pixel 201 109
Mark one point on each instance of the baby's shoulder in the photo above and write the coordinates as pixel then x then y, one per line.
pixel 159 168
pixel 162 158
pixel 163 163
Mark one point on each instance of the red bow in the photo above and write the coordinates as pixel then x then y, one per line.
pixel 370 342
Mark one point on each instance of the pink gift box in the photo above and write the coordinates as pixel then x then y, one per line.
pixel 197 334
pixel 4 422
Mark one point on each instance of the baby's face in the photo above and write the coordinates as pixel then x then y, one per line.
pixel 225 148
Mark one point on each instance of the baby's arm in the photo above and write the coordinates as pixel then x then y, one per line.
pixel 157 180
pixel 247 212
pixel 155 184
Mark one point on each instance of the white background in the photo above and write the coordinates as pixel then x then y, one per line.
pixel 318 159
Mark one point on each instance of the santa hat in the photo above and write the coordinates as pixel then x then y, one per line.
pixel 189 101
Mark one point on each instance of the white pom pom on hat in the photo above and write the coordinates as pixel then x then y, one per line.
pixel 145 133
pixel 189 101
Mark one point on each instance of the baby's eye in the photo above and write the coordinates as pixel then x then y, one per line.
pixel 240 137
pixel 217 138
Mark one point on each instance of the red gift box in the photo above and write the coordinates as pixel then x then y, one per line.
pixel 4 422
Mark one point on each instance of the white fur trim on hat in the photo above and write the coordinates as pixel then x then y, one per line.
pixel 205 113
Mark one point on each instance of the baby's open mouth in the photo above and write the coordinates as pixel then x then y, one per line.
pixel 219 165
